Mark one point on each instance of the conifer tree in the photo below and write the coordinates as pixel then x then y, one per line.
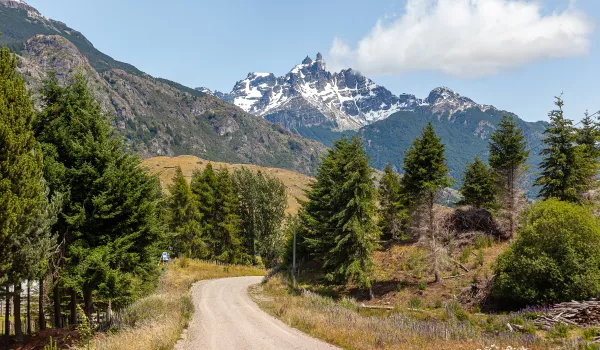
pixel 339 214
pixel 185 220
pixel 588 141
pixel 390 208
pixel 226 219
pixel 109 215
pixel 479 186
pixel 204 186
pixel 507 157
pixel 21 185
pixel 425 174
pixel 562 169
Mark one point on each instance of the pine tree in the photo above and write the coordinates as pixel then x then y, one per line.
pixel 479 186
pixel 226 219
pixel 425 175
pixel 21 184
pixel 390 208
pixel 588 141
pixel 204 186
pixel 507 159
pixel 339 214
pixel 561 169
pixel 185 220
pixel 109 216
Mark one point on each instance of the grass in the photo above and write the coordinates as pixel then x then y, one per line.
pixel 156 321
pixel 295 183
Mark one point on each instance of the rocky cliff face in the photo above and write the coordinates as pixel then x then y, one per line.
pixel 309 95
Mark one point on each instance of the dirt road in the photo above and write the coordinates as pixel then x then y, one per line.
pixel 226 318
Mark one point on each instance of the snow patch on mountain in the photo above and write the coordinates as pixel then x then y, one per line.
pixel 346 99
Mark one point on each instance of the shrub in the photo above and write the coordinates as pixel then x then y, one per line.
pixel 555 258
pixel 415 303
pixel 422 285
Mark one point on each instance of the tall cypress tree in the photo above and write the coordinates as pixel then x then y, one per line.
pixel 425 174
pixel 561 175
pixel 204 186
pixel 390 208
pixel 21 183
pixel 479 186
pixel 507 156
pixel 340 214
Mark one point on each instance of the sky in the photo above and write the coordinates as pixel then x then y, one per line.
pixel 513 54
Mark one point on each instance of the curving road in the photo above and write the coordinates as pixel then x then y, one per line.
pixel 226 318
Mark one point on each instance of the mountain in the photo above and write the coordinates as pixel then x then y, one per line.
pixel 156 116
pixel 309 95
pixel 318 104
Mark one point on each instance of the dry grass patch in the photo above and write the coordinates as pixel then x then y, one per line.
pixel 156 321
pixel 340 323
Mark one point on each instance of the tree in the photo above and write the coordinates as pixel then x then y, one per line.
pixel 507 157
pixel 556 257
pixel 203 186
pixel 479 186
pixel 425 175
pixel 184 220
pixel 262 201
pixel 108 221
pixel 21 184
pixel 588 141
pixel 339 214
pixel 226 219
pixel 390 204
pixel 564 169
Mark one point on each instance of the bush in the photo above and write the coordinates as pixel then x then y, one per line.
pixel 555 258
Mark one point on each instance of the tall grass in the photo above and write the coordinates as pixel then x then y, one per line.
pixel 156 321
pixel 344 326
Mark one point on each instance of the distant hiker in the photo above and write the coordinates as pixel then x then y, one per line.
pixel 164 259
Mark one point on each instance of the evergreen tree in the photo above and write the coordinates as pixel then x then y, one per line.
pixel 562 169
pixel 109 216
pixel 21 185
pixel 507 159
pixel 588 141
pixel 479 186
pixel 339 214
pixel 204 186
pixel 425 175
pixel 390 208
pixel 184 219
pixel 226 219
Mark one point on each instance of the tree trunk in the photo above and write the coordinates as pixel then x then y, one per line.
pixel 57 314
pixel 109 312
pixel 88 302
pixel 41 315
pixel 28 307
pixel 73 307
pixel 17 312
pixel 7 314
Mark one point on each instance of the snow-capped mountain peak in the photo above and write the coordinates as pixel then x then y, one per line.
pixel 310 95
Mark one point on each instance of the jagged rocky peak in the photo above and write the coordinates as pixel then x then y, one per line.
pixel 22 5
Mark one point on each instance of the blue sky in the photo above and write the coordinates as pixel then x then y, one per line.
pixel 216 43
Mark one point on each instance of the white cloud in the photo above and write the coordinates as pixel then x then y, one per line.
pixel 466 38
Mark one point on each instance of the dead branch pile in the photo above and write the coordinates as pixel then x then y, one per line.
pixel 477 293
pixel 584 313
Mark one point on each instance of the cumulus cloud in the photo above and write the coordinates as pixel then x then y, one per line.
pixel 466 38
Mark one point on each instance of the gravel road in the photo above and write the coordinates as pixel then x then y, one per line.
pixel 226 318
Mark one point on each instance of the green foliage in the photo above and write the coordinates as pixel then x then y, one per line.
pixel 52 346
pixel 478 186
pixel 109 219
pixel 391 212
pixel 567 168
pixel 508 155
pixel 262 201
pixel 22 199
pixel 559 331
pixel 184 220
pixel 422 285
pixel 556 257
pixel 338 220
pixel 415 303
pixel 85 330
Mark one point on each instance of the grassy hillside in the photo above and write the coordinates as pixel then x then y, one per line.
pixel 296 183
